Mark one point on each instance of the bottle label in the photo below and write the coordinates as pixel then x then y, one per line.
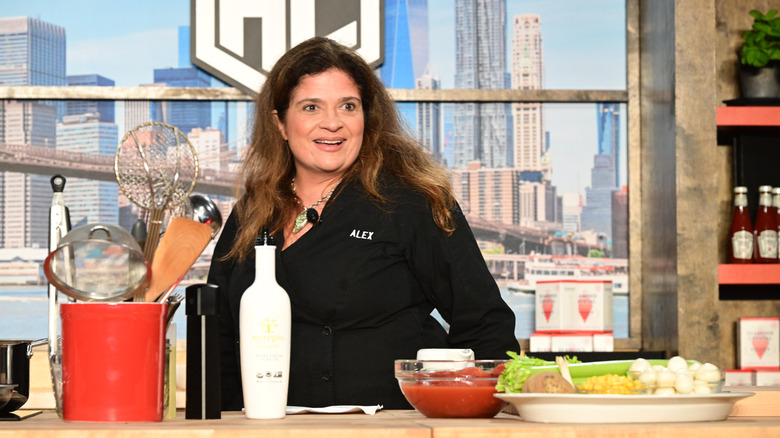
pixel 267 347
pixel 742 245
pixel 767 244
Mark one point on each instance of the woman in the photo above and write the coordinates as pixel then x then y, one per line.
pixel 370 240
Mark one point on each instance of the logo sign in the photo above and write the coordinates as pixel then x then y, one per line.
pixel 238 41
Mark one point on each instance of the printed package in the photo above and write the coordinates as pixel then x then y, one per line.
pixel 767 377
pixel 758 343
pixel 739 378
pixel 571 342
pixel 540 342
pixel 550 311
pixel 604 341
pixel 564 342
pixel 573 305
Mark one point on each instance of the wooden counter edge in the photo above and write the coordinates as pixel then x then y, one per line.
pixel 764 402
pixel 388 424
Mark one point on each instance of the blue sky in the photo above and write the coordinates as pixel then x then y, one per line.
pixel 587 34
pixel 126 40
pixel 121 40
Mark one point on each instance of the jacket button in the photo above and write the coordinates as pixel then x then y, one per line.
pixel 326 331
pixel 327 377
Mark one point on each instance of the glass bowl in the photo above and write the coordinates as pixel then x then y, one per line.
pixel 451 388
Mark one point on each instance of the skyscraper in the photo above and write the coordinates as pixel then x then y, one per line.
pixel 138 112
pixel 89 201
pixel 487 193
pixel 571 206
pixel 608 120
pixel 481 130
pixel 185 115
pixel 25 197
pixel 103 107
pixel 208 147
pixel 537 202
pixel 32 52
pixel 527 74
pixel 406 48
pixel 597 212
pixel 406 42
pixel 429 117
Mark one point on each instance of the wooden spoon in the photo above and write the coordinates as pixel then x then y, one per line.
pixel 179 248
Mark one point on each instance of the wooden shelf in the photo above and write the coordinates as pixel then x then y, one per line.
pixel 749 274
pixel 748 116
pixel 762 120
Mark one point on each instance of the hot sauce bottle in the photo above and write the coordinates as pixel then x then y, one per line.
pixel 741 232
pixel 765 228
pixel 776 209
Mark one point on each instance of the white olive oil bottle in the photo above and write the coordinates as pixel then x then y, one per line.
pixel 264 329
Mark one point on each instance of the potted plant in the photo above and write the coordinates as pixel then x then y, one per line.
pixel 759 56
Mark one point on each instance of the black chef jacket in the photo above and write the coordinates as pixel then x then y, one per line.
pixel 362 284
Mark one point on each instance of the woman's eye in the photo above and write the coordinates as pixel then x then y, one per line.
pixel 310 107
pixel 350 106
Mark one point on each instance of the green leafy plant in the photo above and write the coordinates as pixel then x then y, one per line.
pixel 762 43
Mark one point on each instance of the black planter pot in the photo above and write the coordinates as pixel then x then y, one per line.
pixel 760 82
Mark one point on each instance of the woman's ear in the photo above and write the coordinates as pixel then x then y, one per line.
pixel 280 125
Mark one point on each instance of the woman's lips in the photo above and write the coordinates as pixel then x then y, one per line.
pixel 329 142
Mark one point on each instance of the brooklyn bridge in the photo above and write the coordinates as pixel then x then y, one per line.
pixel 49 161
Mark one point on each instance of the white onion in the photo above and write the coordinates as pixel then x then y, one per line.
pixel 665 378
pixel 640 365
pixel 700 387
pixel 677 363
pixel 708 373
pixel 684 383
pixel 647 378
pixel 664 391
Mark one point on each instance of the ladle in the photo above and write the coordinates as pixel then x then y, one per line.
pixel 205 211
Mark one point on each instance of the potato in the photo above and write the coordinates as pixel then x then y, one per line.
pixel 549 382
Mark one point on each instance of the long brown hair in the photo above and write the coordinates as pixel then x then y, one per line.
pixel 387 147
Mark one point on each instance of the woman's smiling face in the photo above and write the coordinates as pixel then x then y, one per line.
pixel 324 123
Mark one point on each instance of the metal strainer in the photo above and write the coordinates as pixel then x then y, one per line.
pixel 156 168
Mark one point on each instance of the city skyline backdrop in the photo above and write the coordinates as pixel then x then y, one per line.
pixel 126 42
pixel 582 149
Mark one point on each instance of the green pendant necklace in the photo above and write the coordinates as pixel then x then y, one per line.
pixel 309 214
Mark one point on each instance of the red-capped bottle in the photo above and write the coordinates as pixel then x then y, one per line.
pixel 765 228
pixel 741 232
pixel 776 209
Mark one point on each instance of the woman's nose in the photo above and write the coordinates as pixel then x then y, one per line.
pixel 332 121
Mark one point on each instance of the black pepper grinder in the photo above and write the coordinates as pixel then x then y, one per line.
pixel 203 381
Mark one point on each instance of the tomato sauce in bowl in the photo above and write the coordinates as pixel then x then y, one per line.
pixel 465 391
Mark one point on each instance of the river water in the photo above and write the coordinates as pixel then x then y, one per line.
pixel 24 313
